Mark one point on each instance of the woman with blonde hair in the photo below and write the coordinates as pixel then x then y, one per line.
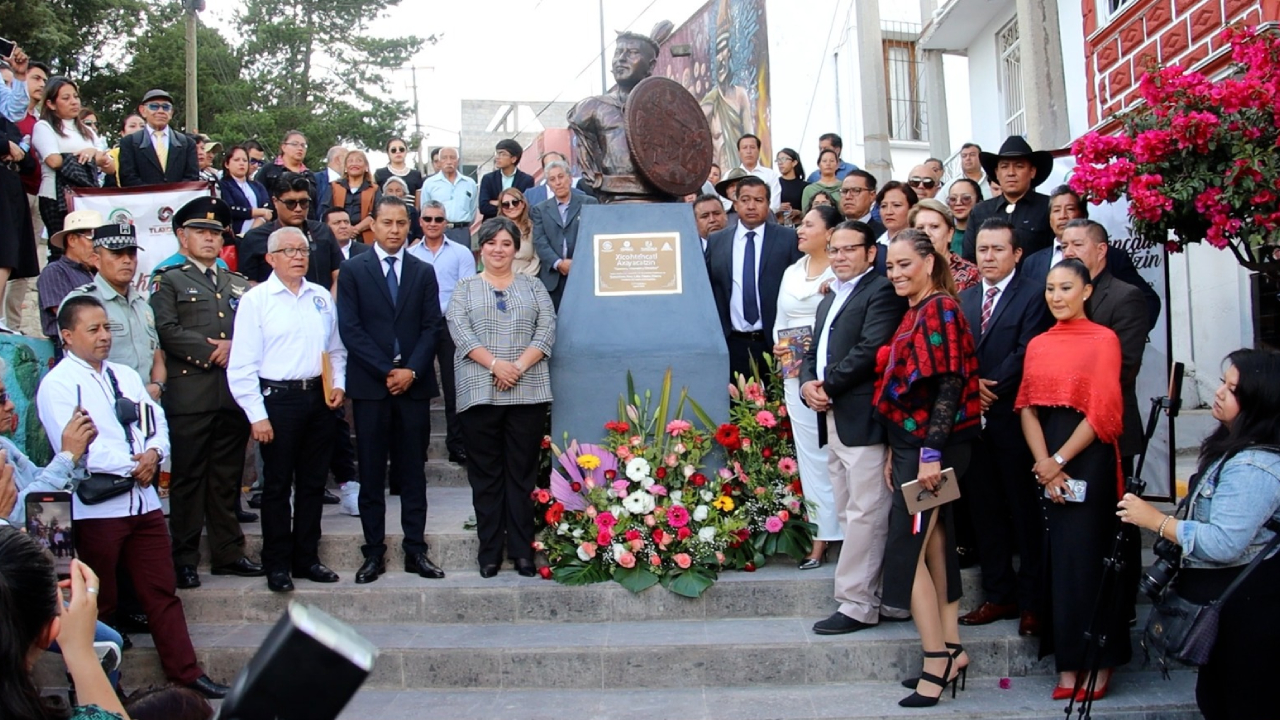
pixel 513 206
pixel 934 219
pixel 357 193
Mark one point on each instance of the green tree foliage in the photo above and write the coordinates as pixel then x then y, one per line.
pixel 80 38
pixel 314 68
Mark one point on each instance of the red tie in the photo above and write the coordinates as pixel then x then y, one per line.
pixel 987 305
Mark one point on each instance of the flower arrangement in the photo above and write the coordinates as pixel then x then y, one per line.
pixel 637 509
pixel 1198 159
pixel 762 478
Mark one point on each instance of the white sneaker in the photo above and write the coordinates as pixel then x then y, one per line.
pixel 350 492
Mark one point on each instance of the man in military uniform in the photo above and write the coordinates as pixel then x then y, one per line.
pixel 195 303
pixel 134 341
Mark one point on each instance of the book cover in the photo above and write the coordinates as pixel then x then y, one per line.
pixel 796 340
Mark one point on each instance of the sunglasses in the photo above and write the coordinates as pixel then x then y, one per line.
pixel 433 220
pixel 257 161
pixel 304 203
pixel 502 299
pixel 90 123
pixel 4 398
pixel 960 200
pixel 396 150
pixel 512 203
pixel 919 182
pixel 160 107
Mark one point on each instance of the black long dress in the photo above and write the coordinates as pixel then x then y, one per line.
pixel 1077 538
pixel 17 237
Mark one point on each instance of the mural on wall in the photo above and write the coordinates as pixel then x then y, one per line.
pixel 26 361
pixel 728 71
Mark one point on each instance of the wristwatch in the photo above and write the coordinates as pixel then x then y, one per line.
pixel 1057 457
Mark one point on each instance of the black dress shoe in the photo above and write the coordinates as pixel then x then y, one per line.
pixel 488 571
pixel 317 573
pixel 525 567
pixel 209 688
pixel 371 569
pixel 255 501
pixel 187 577
pixel 839 624
pixel 331 499
pixel 244 567
pixel 134 623
pixel 422 565
pixel 246 517
pixel 459 457
pixel 279 582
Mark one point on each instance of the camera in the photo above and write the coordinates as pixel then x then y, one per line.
pixel 1161 573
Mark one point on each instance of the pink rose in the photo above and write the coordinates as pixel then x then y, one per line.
pixel 649 521
pixel 683 533
pixel 657 490
pixel 683 560
pixel 623 453
pixel 671 460
pixel 588 549
pixel 782 411
pixel 591 511
pixel 636 441
pixel 783 515
pixel 538 546
pixel 654 560
pixel 604 537
pixel 760 491
pixel 773 524
pixel 620 487
pixel 636 544
pixel 746 443
pixel 766 419
pixel 719 557
pixel 725 473
pixel 627 560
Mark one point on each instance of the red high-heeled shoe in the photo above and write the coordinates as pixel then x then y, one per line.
pixel 1099 691
pixel 1062 693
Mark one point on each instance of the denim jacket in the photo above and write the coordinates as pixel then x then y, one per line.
pixel 60 475
pixel 1229 509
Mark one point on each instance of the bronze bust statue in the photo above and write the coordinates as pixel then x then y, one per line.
pixel 646 140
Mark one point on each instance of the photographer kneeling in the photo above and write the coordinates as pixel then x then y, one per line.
pixel 1232 498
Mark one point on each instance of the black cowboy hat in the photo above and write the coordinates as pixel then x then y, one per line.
pixel 1017 147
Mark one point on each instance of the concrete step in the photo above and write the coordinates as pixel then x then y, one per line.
pixel 649 654
pixel 1144 696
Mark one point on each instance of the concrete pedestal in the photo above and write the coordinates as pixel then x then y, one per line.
pixel 600 338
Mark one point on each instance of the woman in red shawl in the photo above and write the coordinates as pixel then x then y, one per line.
pixel 927 397
pixel 1072 414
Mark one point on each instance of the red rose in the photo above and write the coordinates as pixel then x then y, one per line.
pixel 554 513
pixel 658 535
pixel 766 453
pixel 683 533
pixel 660 473
pixel 632 534
pixel 610 475
pixel 749 567
pixel 577 486
pixel 546 442
pixel 545 572
pixel 698 479
pixel 743 534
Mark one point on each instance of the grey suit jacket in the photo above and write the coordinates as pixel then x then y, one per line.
pixel 552 237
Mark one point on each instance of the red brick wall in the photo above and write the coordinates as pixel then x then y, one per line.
pixel 1164 31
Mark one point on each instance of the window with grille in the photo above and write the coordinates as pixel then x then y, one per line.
pixel 1012 101
pixel 908 119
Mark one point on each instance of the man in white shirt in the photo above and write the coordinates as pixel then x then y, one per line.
pixel 837 379
pixel 749 153
pixel 710 217
pixel 133 439
pixel 458 194
pixel 284 328
pixel 339 221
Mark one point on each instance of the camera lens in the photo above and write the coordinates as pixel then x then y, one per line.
pixel 1157 578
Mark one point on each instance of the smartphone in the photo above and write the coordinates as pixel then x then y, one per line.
pixel 79 403
pixel 1078 488
pixel 49 521
pixel 7 47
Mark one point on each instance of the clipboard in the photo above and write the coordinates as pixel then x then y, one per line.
pixel 919 499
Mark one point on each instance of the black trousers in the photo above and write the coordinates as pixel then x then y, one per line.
pixel 444 356
pixel 1005 506
pixel 395 427
pixel 503 442
pixel 742 348
pixel 342 463
pixel 208 462
pixel 296 460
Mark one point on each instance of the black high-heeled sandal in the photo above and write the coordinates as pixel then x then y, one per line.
pixel 962 674
pixel 815 563
pixel 916 700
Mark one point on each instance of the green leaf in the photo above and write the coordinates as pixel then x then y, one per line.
pixel 636 579
pixel 664 404
pixel 707 423
pixel 690 583
pixel 579 573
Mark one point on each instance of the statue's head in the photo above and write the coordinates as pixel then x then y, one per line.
pixel 634 58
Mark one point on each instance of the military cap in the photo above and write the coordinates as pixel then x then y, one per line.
pixel 115 236
pixel 205 212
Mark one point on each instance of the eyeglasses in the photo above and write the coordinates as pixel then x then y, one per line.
pixel 512 203
pixel 922 182
pixel 433 219
pixel 293 252
pixel 304 203
pixel 256 161
pixel 396 150
pixel 502 299
pixel 853 192
pixel 845 250
pixel 160 107
pixel 295 143
pixel 90 123
pixel 960 200
pixel 4 398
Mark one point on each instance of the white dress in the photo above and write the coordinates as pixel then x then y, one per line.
pixel 798 300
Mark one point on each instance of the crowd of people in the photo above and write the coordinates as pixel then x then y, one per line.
pixel 990 342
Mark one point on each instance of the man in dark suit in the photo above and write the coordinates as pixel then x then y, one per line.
pixel 857 202
pixel 1065 206
pixel 388 314
pixel 195 305
pixel 1019 170
pixel 157 153
pixel 1005 311
pixel 837 379
pixel 746 261
pixel 505 174
pixel 555 229
pixel 709 215
pixel 339 222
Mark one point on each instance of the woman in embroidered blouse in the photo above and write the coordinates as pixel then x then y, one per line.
pixel 504 326
pixel 1233 497
pixel 928 399
pixel 32 616
pixel 1072 412
pixel 935 220
pixel 798 301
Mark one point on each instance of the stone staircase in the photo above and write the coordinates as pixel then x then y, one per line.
pixel 510 647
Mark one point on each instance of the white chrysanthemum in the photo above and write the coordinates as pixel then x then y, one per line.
pixel 638 503
pixel 637 469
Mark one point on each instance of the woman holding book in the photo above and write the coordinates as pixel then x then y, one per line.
pixel 798 300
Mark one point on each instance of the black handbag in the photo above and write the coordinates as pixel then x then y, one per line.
pixel 100 487
pixel 1186 631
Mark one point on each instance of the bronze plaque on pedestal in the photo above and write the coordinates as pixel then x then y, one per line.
pixel 637 264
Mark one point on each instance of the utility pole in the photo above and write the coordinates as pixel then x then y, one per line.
pixel 603 60
pixel 417 119
pixel 191 8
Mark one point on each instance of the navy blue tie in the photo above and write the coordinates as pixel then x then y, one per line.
pixel 750 303
pixel 394 286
